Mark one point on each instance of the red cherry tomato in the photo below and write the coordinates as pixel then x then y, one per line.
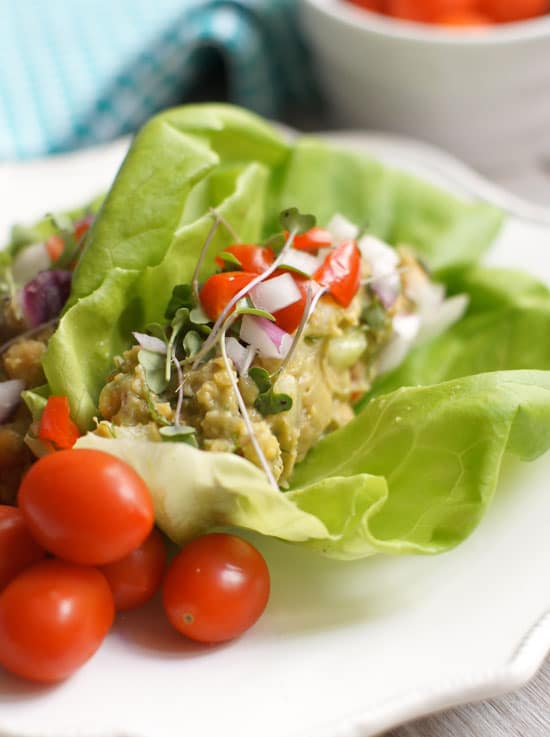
pixel 18 549
pixel 53 617
pixel 135 578
pixel 86 506
pixel 376 6
pixel 426 11
pixel 56 425
pixel 341 272
pixel 290 317
pixel 507 11
pixel 254 259
pixel 465 18
pixel 313 240
pixel 219 289
pixel 216 588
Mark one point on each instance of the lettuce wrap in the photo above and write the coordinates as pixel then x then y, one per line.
pixel 417 467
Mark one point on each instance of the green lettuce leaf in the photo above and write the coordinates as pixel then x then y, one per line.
pixel 506 328
pixel 412 473
pixel 394 206
pixel 154 220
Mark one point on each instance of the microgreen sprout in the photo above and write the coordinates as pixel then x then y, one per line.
pixel 202 256
pixel 268 402
pixel 179 392
pixel 242 405
pixel 297 222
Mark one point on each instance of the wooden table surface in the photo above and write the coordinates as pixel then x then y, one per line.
pixel 525 713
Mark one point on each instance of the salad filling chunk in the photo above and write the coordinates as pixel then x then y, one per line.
pixel 270 353
pixel 35 282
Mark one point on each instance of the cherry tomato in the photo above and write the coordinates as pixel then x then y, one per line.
pixel 341 272
pixel 86 506
pixel 53 617
pixel 135 578
pixel 216 588
pixel 18 549
pixel 313 240
pixel 56 425
pixel 426 11
pixel 55 247
pixel 290 317
pixel 254 259
pixel 464 18
pixel 506 11
pixel 375 5
pixel 219 289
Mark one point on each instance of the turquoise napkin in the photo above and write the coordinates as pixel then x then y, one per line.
pixel 78 72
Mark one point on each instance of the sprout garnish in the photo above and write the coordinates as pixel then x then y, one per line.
pixel 297 224
pixel 242 405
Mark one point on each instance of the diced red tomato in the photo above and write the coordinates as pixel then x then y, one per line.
pixel 55 247
pixel 56 425
pixel 341 272
pixel 81 227
pixel 254 259
pixel 219 289
pixel 313 240
pixel 289 317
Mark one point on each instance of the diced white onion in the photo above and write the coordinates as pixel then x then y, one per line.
pixel 405 332
pixel 10 392
pixel 30 262
pixel 265 336
pixel 275 294
pixel 342 229
pixel 150 343
pixel 237 352
pixel 438 321
pixel 383 261
pixel 301 261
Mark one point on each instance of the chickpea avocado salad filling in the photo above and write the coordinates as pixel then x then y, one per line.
pixel 269 354
pixel 349 382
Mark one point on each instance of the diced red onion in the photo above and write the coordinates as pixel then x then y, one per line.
pixel 275 294
pixel 44 297
pixel 150 343
pixel 302 261
pixel 405 332
pixel 342 229
pixel 10 392
pixel 237 353
pixel 266 336
pixel 29 262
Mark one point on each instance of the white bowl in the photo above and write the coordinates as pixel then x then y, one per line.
pixel 483 94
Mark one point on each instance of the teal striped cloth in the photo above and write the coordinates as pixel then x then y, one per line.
pixel 78 72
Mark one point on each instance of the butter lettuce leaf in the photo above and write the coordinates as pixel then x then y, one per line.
pixel 414 472
pixel 154 220
pixel 506 328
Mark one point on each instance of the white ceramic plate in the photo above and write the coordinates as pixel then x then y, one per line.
pixel 344 649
